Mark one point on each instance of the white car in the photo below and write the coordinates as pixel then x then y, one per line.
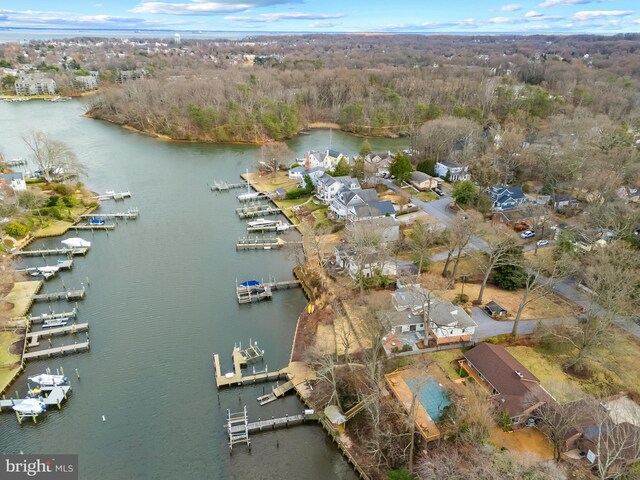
pixel 528 234
pixel 542 243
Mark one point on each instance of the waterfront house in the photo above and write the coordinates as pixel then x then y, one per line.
pixel 512 387
pixel 453 170
pixel 327 187
pixel 422 181
pixel 13 180
pixel 35 84
pixel 504 197
pixel 298 173
pixel 332 158
pixel 366 264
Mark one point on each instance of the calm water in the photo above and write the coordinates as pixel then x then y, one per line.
pixel 160 302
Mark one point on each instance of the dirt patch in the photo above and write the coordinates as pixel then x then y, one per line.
pixel 524 440
pixel 16 347
pixel 583 374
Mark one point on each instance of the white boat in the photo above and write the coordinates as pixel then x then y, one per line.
pixel 46 380
pixel 30 406
pixel 55 322
pixel 277 225
pixel 76 242
pixel 251 196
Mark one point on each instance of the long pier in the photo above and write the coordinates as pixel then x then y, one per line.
pixel 52 316
pixel 87 226
pixel 53 251
pixel 252 212
pixel 52 332
pixel 246 243
pixel 69 296
pixel 113 196
pixel 130 214
pixel 224 186
pixel 63 350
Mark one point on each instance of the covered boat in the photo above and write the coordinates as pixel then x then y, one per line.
pixel 30 406
pixel 46 380
pixel 76 242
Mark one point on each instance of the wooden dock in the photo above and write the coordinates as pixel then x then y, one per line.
pixel 257 211
pixel 87 226
pixel 224 186
pixel 16 162
pixel 247 243
pixel 54 396
pixel 264 291
pixel 52 332
pixel 69 296
pixel 130 214
pixel 53 251
pixel 238 426
pixel 241 358
pixel 113 196
pixel 52 316
pixel 51 352
pixel 277 392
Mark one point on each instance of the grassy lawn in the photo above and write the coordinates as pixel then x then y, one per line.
pixel 9 363
pixel 20 296
pixel 611 373
pixel 425 196
pixel 467 266
pixel 54 229
pixel 546 307
pixel 445 359
pixel 268 183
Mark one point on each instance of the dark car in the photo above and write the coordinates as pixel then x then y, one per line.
pixel 438 192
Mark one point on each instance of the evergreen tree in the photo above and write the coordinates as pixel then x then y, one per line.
pixel 365 148
pixel 401 167
pixel 342 169
pixel 465 193
pixel 511 275
pixel 427 166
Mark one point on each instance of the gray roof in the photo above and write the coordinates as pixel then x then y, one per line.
pixel 396 319
pixel 420 177
pixel 375 209
pixel 9 177
pixel 450 164
pixel 441 313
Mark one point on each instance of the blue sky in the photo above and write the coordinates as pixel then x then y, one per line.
pixel 455 16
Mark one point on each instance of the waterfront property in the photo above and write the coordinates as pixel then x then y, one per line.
pixel 13 180
pixel 35 84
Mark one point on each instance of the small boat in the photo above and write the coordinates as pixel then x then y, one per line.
pixel 55 322
pixel 252 286
pixel 251 196
pixel 76 242
pixel 96 221
pixel 46 380
pixel 30 406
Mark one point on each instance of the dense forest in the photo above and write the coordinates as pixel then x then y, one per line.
pixel 269 88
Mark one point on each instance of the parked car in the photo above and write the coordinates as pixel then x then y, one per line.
pixel 528 234
pixel 438 192
pixel 542 243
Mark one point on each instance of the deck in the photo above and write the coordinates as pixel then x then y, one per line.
pixel 68 295
pixel 51 316
pixel 245 243
pixel 241 358
pixel 253 212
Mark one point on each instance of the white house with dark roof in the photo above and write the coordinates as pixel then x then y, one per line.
pixel 455 171
pixel 422 181
pixel 328 187
pixel 13 180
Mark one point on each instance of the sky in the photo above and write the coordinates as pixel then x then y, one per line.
pixel 422 16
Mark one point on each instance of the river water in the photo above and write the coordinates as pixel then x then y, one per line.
pixel 161 301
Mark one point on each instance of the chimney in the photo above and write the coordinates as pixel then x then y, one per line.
pixel 307 163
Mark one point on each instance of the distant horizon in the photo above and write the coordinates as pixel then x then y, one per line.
pixel 519 17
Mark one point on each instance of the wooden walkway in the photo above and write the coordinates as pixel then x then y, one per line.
pixel 252 212
pixel 69 296
pixel 87 226
pixel 277 392
pixel 113 196
pixel 130 214
pixel 52 251
pixel 273 423
pixel 52 332
pixel 51 316
pixel 241 358
pixel 51 352
pixel 224 186
pixel 245 243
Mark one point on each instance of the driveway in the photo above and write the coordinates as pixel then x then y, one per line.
pixel 488 327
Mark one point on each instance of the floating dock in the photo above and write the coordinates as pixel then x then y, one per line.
pixel 241 358
pixel 51 352
pixel 53 251
pixel 69 296
pixel 277 392
pixel 130 214
pixel 247 243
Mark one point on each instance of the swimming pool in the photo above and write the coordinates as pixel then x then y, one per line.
pixel 430 394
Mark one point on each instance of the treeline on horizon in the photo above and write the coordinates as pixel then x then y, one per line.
pixel 373 85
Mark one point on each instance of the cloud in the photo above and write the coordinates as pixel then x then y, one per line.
pixel 501 20
pixel 553 3
pixel 511 7
pixel 533 14
pixel 590 14
pixel 324 24
pixel 29 18
pixel 276 17
pixel 199 7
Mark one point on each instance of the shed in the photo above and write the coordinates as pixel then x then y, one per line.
pixel 280 193
pixel 495 310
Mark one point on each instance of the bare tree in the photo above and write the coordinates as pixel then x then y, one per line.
pixel 366 243
pixel 462 231
pixel 557 421
pixel 501 244
pixel 421 239
pixel 54 158
pixel 273 155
